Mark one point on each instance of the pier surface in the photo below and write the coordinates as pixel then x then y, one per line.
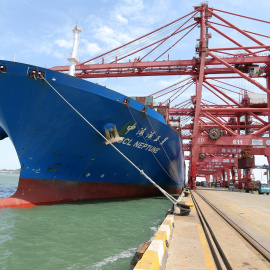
pixel 189 247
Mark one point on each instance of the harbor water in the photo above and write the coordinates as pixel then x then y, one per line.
pixel 102 234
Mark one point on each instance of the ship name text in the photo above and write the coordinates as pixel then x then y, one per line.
pixel 140 145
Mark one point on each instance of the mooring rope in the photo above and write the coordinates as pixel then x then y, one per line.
pixel 165 193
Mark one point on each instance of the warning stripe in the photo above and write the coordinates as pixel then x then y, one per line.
pixel 153 256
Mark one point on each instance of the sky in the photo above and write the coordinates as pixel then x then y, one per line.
pixel 40 33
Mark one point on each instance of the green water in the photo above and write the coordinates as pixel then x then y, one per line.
pixel 102 234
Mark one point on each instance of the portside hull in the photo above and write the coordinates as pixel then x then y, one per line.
pixel 64 158
pixel 32 192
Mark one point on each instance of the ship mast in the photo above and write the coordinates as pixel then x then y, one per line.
pixel 73 59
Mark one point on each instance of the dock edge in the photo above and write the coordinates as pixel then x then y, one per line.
pixel 153 256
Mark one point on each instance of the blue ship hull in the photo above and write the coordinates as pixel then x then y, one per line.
pixel 63 158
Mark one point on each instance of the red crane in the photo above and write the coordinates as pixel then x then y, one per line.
pixel 218 131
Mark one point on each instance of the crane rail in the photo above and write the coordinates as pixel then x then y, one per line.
pixel 221 259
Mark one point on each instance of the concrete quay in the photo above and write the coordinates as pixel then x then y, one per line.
pixel 188 248
pixel 251 212
pixel 187 244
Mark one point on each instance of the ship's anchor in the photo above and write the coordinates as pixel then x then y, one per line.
pixel 112 134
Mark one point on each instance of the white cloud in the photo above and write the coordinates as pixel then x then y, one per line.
pixel 45 48
pixel 121 19
pixel 107 35
pixel 92 48
pixel 41 49
pixel 63 43
pixel 104 31
pixel 112 38
pixel 59 55
pixel 130 7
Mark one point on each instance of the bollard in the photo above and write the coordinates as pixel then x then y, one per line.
pixel 184 208
pixel 169 212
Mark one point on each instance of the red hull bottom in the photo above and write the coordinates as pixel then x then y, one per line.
pixel 32 192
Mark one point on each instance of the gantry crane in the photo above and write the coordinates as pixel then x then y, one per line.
pixel 223 134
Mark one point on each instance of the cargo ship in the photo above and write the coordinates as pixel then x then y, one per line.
pixel 77 140
pixel 63 158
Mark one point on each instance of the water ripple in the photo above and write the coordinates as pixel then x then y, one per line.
pixel 109 260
